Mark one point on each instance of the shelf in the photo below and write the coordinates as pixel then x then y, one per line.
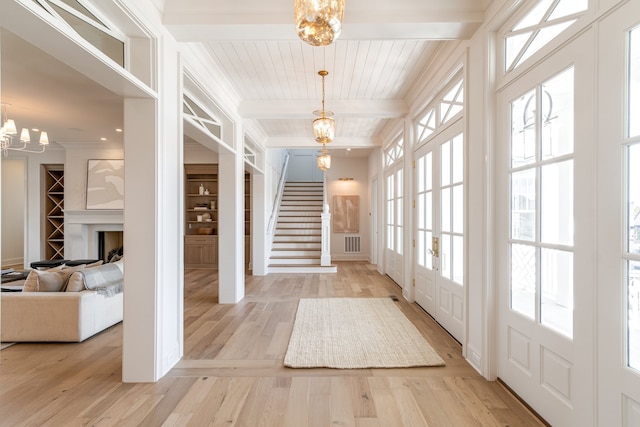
pixel 53 210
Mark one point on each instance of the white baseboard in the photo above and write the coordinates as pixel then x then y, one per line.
pixel 12 261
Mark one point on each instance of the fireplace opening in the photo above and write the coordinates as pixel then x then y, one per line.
pixel 110 245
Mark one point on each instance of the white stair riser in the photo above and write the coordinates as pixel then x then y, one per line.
pixel 297 245
pixel 284 253
pixel 290 238
pixel 301 203
pixel 303 269
pixel 295 261
pixel 314 193
pixel 303 225
pixel 300 214
pixel 300 219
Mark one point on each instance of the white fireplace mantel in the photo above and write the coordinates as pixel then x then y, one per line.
pixel 81 228
pixel 102 216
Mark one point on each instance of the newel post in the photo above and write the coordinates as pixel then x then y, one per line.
pixel 325 257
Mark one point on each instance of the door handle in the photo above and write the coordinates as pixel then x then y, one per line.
pixel 435 251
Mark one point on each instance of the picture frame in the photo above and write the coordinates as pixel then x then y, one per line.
pixel 346 214
pixel 105 184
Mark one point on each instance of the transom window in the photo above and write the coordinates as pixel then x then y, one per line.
pixel 394 153
pixel 88 26
pixel 192 110
pixel 444 109
pixel 544 22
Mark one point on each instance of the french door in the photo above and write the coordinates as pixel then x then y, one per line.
pixel 394 258
pixel 440 228
pixel 545 227
pixel 619 219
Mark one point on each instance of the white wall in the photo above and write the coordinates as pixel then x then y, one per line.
pixel 199 154
pixel 75 173
pixel 33 217
pixel 13 210
pixel 356 168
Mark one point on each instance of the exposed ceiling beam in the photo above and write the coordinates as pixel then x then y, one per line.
pixel 195 20
pixel 346 142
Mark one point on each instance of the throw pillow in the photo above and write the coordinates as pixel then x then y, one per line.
pixel 44 281
pixel 31 283
pixel 75 282
pixel 51 281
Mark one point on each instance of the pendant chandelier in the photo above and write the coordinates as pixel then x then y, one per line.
pixel 324 127
pixel 318 22
pixel 9 136
pixel 324 159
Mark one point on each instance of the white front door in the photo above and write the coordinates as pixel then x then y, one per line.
pixel 619 218
pixel 440 213
pixel 393 223
pixel 545 228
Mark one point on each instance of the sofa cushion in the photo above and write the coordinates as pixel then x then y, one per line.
pixel 51 280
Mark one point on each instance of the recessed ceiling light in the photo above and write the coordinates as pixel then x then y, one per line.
pixel 118 130
pixel 35 130
pixel 103 139
pixel 348 149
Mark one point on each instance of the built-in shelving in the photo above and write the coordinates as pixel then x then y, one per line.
pixel 53 209
pixel 201 216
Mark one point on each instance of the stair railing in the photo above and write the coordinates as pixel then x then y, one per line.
pixel 275 209
pixel 325 256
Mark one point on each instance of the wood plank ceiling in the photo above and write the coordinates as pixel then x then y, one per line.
pixel 383 51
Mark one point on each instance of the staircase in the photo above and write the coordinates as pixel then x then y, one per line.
pixel 297 243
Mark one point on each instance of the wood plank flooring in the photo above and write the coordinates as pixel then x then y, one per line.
pixel 232 373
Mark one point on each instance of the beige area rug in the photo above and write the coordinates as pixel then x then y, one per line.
pixel 351 333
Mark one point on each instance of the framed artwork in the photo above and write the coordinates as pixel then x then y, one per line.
pixel 105 184
pixel 346 214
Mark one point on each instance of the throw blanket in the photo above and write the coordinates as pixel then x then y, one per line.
pixel 107 278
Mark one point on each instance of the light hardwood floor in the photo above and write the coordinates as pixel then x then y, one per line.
pixel 233 375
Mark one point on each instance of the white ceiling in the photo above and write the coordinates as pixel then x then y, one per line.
pixel 384 48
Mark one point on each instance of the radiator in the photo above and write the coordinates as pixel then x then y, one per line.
pixel 351 244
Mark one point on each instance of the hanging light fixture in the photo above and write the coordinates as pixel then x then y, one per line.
pixel 9 136
pixel 324 159
pixel 318 22
pixel 324 127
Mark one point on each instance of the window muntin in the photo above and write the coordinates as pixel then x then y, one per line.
pixel 542 228
pixel 452 209
pixel 446 107
pixel 544 22
pixel 85 23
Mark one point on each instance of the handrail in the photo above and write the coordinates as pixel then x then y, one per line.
pixel 275 209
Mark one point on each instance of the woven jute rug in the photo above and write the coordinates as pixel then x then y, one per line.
pixel 350 333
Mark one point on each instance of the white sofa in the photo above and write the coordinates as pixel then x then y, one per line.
pixel 57 316
pixel 62 316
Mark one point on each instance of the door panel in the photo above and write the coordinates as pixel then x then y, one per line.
pixel 440 262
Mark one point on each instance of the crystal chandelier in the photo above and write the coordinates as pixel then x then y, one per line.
pixel 319 22
pixel 324 127
pixel 324 159
pixel 9 136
